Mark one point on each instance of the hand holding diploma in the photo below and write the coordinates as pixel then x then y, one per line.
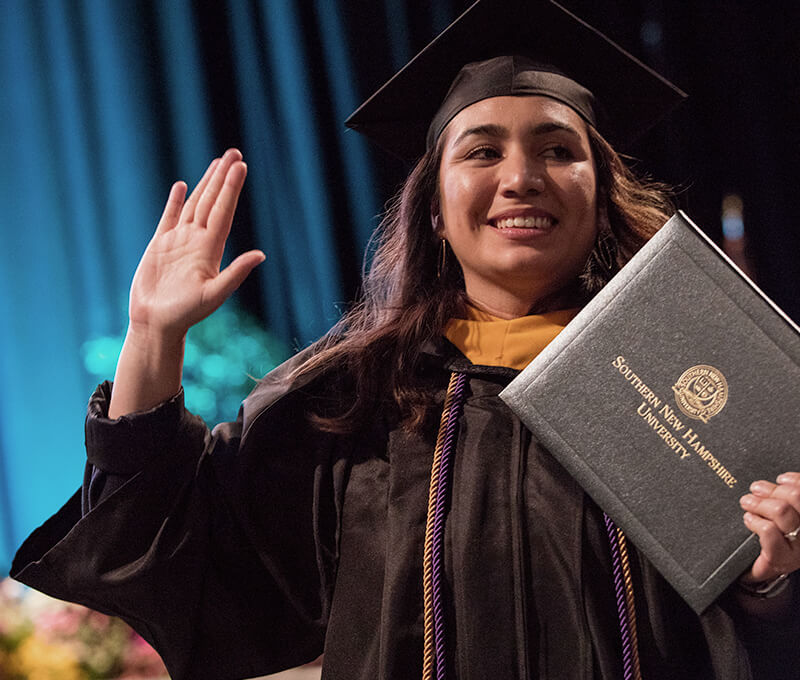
pixel 772 511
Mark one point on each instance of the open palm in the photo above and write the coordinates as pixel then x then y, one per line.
pixel 178 281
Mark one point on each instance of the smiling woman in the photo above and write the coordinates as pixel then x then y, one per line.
pixel 376 499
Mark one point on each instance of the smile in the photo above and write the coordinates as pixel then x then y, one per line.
pixel 525 223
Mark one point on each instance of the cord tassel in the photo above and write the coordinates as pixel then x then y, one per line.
pixel 626 611
pixel 434 647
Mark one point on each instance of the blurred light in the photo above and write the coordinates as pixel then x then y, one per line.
pixel 221 354
pixel 732 218
pixel 651 33
pixel 100 355
pixel 213 367
pixel 201 400
pixel 734 241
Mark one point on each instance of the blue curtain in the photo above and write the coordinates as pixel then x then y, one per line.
pixel 74 128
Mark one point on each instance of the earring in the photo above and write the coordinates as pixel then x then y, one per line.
pixel 605 250
pixel 602 262
pixel 441 261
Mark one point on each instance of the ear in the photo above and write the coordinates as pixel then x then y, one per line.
pixel 436 217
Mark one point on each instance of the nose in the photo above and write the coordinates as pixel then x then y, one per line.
pixel 522 175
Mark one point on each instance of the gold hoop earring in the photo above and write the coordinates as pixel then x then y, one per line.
pixel 441 261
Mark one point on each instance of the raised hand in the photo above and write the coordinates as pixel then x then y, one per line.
pixel 178 281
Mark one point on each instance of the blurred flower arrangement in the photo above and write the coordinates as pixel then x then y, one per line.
pixel 46 639
pixel 224 356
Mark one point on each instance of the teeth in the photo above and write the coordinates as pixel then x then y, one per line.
pixel 525 222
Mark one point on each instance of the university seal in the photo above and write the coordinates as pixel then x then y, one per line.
pixel 701 392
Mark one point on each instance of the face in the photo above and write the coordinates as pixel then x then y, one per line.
pixel 518 199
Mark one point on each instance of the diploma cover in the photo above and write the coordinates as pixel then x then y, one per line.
pixel 672 390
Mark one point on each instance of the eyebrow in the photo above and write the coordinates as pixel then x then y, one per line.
pixel 491 130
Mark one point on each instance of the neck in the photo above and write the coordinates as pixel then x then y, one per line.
pixel 505 304
pixel 500 308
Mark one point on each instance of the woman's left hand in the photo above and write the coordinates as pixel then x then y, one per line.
pixel 772 511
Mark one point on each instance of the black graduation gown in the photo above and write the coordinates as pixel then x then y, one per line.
pixel 259 546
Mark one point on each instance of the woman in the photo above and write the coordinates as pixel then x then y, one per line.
pixel 376 500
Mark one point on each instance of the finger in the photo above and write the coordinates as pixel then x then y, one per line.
pixel 173 207
pixel 762 488
pixel 214 186
pixel 229 279
pixel 789 496
pixel 191 203
pixel 776 510
pixel 776 556
pixel 789 478
pixel 221 216
pixel 787 492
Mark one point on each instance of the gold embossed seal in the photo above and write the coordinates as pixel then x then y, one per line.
pixel 701 392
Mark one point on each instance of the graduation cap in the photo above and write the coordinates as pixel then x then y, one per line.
pixel 515 47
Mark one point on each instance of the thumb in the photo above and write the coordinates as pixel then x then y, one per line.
pixel 230 278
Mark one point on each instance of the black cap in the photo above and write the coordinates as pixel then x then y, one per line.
pixel 554 53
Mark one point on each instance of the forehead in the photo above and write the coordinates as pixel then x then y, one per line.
pixel 514 113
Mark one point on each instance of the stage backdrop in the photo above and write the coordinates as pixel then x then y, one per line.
pixel 104 104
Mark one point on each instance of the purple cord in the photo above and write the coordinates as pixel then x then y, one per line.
pixel 622 608
pixel 439 522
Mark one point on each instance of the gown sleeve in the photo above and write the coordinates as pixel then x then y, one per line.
pixel 218 548
pixel 772 636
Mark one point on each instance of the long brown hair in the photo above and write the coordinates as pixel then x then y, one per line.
pixel 407 300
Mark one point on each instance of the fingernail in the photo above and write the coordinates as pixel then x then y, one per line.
pixel 748 517
pixel 747 501
pixel 759 488
pixel 784 479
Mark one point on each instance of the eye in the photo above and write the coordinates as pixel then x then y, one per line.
pixel 483 153
pixel 558 152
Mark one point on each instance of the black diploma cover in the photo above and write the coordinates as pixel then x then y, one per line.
pixel 672 390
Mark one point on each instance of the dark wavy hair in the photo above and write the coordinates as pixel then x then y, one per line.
pixel 405 301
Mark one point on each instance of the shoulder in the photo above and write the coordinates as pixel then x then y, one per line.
pixel 286 395
pixel 279 383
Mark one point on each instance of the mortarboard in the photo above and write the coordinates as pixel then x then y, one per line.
pixel 610 88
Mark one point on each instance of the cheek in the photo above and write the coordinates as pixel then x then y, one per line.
pixel 464 199
pixel 583 188
pixel 453 190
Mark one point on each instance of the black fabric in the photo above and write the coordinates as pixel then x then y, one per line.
pixel 509 76
pixel 630 97
pixel 257 547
